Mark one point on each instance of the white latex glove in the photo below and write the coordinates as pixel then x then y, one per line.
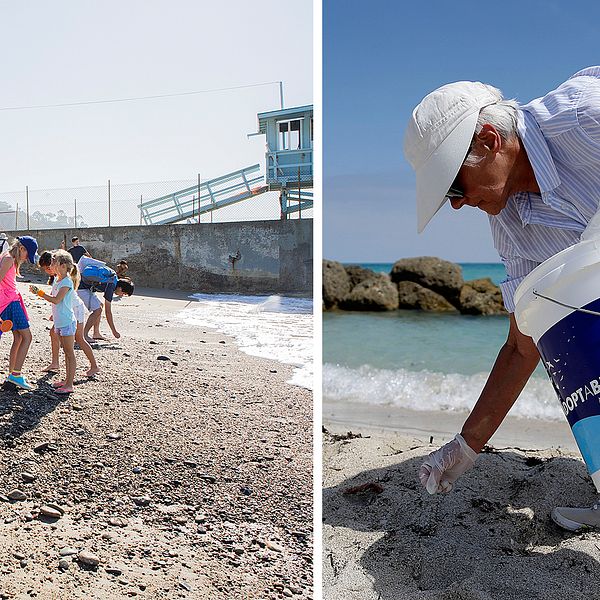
pixel 444 466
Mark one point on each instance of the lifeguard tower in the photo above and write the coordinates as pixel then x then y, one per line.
pixel 289 155
pixel 288 169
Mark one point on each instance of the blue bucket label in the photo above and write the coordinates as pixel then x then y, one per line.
pixel 570 350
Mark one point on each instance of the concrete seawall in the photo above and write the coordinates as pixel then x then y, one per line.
pixel 255 257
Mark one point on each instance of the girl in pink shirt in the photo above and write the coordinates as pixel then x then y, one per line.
pixel 12 307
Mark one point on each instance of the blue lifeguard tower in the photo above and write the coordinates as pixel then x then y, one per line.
pixel 289 155
pixel 288 169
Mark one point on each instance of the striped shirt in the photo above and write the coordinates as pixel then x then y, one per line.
pixel 561 135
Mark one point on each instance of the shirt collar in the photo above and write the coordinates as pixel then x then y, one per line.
pixel 538 152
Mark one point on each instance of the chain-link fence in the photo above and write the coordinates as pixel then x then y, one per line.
pixel 118 204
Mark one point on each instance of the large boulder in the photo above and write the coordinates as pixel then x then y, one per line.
pixel 376 293
pixel 336 283
pixel 438 275
pixel 413 295
pixel 481 297
pixel 358 274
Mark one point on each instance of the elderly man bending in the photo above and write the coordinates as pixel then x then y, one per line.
pixel 535 170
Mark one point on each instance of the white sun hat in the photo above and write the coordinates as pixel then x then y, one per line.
pixel 437 140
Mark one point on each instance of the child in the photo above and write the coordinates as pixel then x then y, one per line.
pixel 12 307
pixel 65 324
pixel 121 268
pixel 45 264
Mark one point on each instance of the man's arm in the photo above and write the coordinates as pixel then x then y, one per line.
pixel 109 318
pixel 514 365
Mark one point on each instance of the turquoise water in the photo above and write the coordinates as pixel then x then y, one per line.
pixel 420 360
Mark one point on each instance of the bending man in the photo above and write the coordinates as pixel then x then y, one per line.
pixel 534 170
pixel 96 276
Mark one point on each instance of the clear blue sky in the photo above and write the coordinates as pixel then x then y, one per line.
pixel 70 51
pixel 379 59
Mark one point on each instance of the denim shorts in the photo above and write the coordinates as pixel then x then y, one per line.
pixel 14 312
pixel 66 331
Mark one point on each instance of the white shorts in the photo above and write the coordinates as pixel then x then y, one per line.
pixel 89 299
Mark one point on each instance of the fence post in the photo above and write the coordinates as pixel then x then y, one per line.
pixel 199 202
pixel 17 218
pixel 141 209
pixel 27 197
pixel 109 202
pixel 75 213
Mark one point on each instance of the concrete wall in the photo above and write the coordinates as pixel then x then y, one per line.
pixel 275 256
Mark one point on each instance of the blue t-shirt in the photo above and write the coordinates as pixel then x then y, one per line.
pixel 62 313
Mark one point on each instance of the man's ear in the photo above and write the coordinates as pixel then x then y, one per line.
pixel 489 139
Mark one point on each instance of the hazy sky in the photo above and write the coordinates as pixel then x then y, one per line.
pixel 72 51
pixel 380 59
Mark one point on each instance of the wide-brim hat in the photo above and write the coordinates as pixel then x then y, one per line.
pixel 438 138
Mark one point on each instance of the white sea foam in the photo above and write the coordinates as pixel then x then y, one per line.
pixel 425 390
pixel 275 327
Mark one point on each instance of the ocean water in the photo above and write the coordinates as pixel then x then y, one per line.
pixel 275 327
pixel 423 361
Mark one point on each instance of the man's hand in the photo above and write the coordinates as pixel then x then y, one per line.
pixel 444 466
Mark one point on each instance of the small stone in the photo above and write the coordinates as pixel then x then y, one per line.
pixel 41 447
pixel 51 512
pixel 67 551
pixel 18 555
pixel 117 522
pixel 17 495
pixel 137 470
pixel 114 571
pixel 76 407
pixel 107 535
pixel 88 558
pixel 180 520
pixel 24 563
pixel 64 564
pixel 186 586
pixel 190 463
pixel 173 553
pixel 209 478
pixel 287 592
pixel 162 358
pixel 201 530
pixel 141 500
pixel 114 436
pixel 274 546
pixel 28 477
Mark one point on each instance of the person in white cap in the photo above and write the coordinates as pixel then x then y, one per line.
pixel 535 170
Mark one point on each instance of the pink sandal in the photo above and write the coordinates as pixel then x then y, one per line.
pixel 64 390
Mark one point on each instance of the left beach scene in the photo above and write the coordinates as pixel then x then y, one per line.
pixel 156 299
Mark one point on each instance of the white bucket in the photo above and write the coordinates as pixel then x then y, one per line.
pixel 569 339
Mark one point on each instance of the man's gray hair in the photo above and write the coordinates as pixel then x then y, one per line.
pixel 502 115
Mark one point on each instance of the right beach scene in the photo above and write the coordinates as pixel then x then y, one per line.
pixel 461 303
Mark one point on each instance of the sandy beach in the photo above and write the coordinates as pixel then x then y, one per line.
pixel 491 538
pixel 184 470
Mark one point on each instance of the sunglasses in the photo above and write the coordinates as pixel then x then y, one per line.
pixel 454 192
